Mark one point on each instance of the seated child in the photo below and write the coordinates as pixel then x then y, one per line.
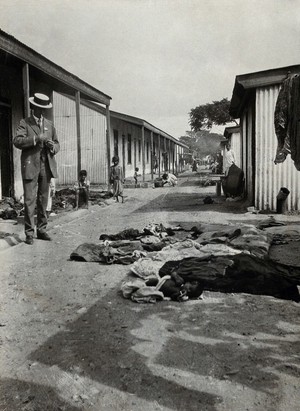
pixel 82 190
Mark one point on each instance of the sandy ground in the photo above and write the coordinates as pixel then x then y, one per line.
pixel 69 341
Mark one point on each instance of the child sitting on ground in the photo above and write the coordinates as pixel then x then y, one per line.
pixel 82 190
pixel 117 179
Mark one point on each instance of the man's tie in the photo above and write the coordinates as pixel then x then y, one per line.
pixel 41 124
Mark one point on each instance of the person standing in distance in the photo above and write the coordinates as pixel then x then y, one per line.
pixel 229 158
pixel 36 137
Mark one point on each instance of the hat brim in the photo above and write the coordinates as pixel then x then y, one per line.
pixel 31 100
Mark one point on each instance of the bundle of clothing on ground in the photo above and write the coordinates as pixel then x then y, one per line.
pixel 65 199
pixel 180 262
pixel 10 208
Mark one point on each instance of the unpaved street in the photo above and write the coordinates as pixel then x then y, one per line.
pixel 70 341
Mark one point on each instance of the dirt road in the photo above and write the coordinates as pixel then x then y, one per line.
pixel 69 341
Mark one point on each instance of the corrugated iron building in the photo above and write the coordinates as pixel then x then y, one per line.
pixel 136 142
pixel 89 134
pixel 93 141
pixel 253 102
pixel 24 72
pixel 133 140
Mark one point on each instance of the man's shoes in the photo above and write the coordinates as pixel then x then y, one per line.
pixel 43 236
pixel 29 240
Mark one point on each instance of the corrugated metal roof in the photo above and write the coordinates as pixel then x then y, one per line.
pixel 246 82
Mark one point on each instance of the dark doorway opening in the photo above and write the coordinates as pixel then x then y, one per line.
pixel 6 162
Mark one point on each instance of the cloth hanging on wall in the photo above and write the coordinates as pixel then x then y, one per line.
pixel 286 121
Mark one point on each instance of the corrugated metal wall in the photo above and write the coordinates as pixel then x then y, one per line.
pixel 93 145
pixel 93 141
pixel 124 129
pixel 236 146
pixel 270 177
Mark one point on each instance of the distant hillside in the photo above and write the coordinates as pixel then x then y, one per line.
pixel 202 143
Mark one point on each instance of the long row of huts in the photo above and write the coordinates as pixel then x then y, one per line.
pixel 89 132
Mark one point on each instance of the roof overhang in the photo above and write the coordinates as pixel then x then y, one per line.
pixel 143 123
pixel 60 78
pixel 131 120
pixel 230 130
pixel 246 82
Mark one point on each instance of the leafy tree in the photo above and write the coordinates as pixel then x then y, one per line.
pixel 201 143
pixel 206 115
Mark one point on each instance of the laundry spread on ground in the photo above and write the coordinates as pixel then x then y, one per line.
pixel 182 261
pixel 10 208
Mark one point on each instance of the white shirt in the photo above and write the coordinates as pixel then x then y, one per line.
pixel 229 159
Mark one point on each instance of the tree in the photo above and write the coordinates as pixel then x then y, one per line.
pixel 206 115
pixel 201 143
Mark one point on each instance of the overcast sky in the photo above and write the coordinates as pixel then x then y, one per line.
pixel 157 59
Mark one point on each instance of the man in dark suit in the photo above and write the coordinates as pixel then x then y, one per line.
pixel 36 137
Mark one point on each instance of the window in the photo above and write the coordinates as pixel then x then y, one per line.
pixel 129 149
pixel 116 143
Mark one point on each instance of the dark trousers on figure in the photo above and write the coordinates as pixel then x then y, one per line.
pixel 36 194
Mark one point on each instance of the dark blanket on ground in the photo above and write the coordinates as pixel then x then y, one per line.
pixel 128 234
pixel 239 273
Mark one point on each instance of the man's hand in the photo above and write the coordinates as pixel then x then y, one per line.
pixel 42 138
pixel 50 144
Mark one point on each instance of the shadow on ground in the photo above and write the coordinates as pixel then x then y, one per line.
pixel 190 202
pixel 166 352
pixel 16 395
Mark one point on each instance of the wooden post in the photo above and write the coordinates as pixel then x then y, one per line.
pixel 151 157
pixel 134 148
pixel 108 134
pixel 173 156
pixel 165 151
pixel 159 155
pixel 77 103
pixel 26 85
pixel 143 152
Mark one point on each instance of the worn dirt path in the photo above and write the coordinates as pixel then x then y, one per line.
pixel 69 341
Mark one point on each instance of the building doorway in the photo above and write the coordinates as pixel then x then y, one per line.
pixel 116 143
pixel 6 163
pixel 123 155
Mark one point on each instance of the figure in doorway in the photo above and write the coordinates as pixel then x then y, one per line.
pixel 155 163
pixel 165 160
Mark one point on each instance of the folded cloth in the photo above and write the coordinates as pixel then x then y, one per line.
pixel 150 239
pixel 129 287
pixel 147 295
